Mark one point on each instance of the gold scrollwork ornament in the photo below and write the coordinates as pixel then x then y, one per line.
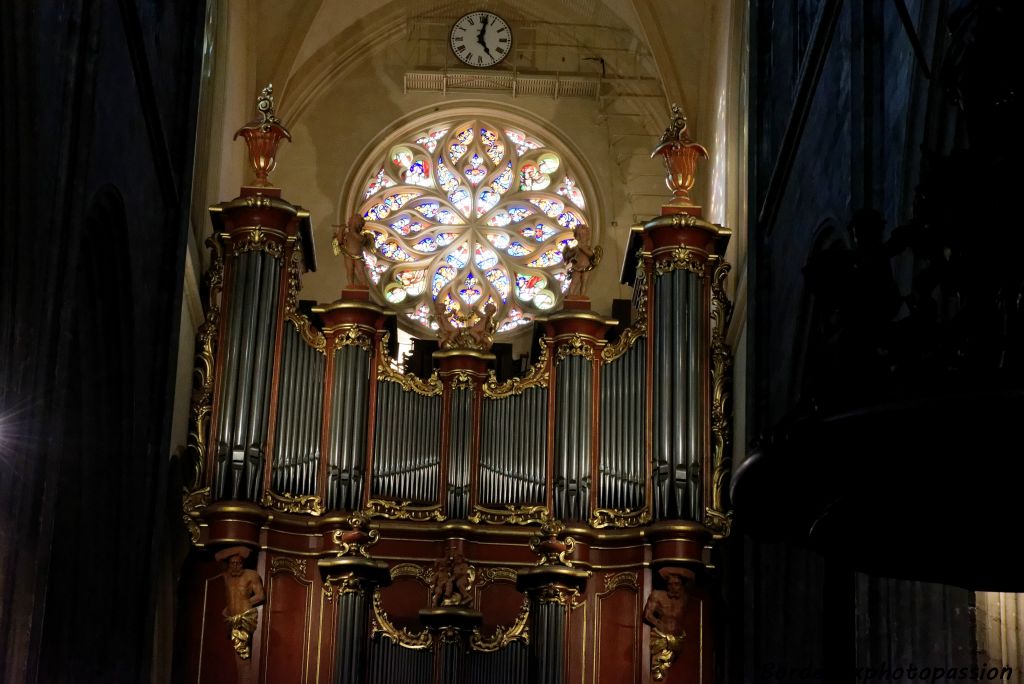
pixel 402 510
pixel 536 376
pixel 502 637
pixel 509 515
pixel 576 346
pixel 337 585
pixel 611 517
pixel 309 504
pixel 381 624
pixel 721 362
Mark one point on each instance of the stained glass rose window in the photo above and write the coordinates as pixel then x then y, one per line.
pixel 467 213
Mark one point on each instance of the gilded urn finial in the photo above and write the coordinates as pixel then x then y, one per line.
pixel 680 153
pixel 263 136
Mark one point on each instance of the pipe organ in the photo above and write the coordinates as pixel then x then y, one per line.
pixel 553 527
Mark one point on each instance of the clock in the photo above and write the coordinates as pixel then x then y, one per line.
pixel 481 39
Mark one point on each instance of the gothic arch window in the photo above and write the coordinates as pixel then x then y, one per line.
pixel 469 211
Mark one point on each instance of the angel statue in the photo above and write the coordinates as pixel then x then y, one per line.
pixel 582 258
pixel 351 240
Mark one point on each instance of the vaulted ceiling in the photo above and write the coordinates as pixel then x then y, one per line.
pixel 602 73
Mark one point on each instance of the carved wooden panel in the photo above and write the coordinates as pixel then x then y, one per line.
pixel 617 626
pixel 286 614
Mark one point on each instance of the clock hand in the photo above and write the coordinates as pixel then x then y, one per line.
pixel 480 36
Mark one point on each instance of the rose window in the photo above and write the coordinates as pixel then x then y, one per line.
pixel 468 213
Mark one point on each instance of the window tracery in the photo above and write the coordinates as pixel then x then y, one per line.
pixel 466 214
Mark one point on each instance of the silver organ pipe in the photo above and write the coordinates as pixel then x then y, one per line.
pixel 245 385
pixel 680 351
pixel 460 430
pixel 513 448
pixel 573 423
pixel 406 453
pixel 623 408
pixel 347 428
pixel 300 402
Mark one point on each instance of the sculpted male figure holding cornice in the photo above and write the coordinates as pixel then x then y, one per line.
pixel 664 612
pixel 244 590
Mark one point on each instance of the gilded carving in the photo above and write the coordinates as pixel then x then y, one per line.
pixel 413 570
pixel 475 333
pixel 337 585
pixel 462 380
pixel 620 580
pixel 547 544
pixel 195 497
pixel 611 517
pixel 309 504
pixel 557 593
pixel 291 299
pixel 683 258
pixel 296 567
pixel 721 361
pixel 665 613
pixel 509 515
pixel 313 337
pixel 407 381
pixel 536 376
pixel 354 336
pixel 381 624
pixel 244 590
pixel 257 239
pixel 503 636
pixel 402 510
pixel 576 346
pixel 638 328
pixel 357 538
pixel 491 575
pixel 192 504
pixel 626 340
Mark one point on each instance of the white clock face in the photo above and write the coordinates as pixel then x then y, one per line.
pixel 481 39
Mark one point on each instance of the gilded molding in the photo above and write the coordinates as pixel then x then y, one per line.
pixel 354 335
pixel 192 504
pixel 620 580
pixel 291 300
pixel 296 567
pixel 499 574
pixel 626 340
pixel 381 624
pixel 683 258
pixel 536 376
pixel 576 346
pixel 257 239
pixel 313 337
pixel 638 329
pixel 357 539
pixel 413 570
pixel 385 371
pixel 194 498
pixel 509 515
pixel 721 362
pixel 612 517
pixel 502 636
pixel 337 585
pixel 402 510
pixel 462 380
pixel 309 504
pixel 557 593
pixel 551 549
